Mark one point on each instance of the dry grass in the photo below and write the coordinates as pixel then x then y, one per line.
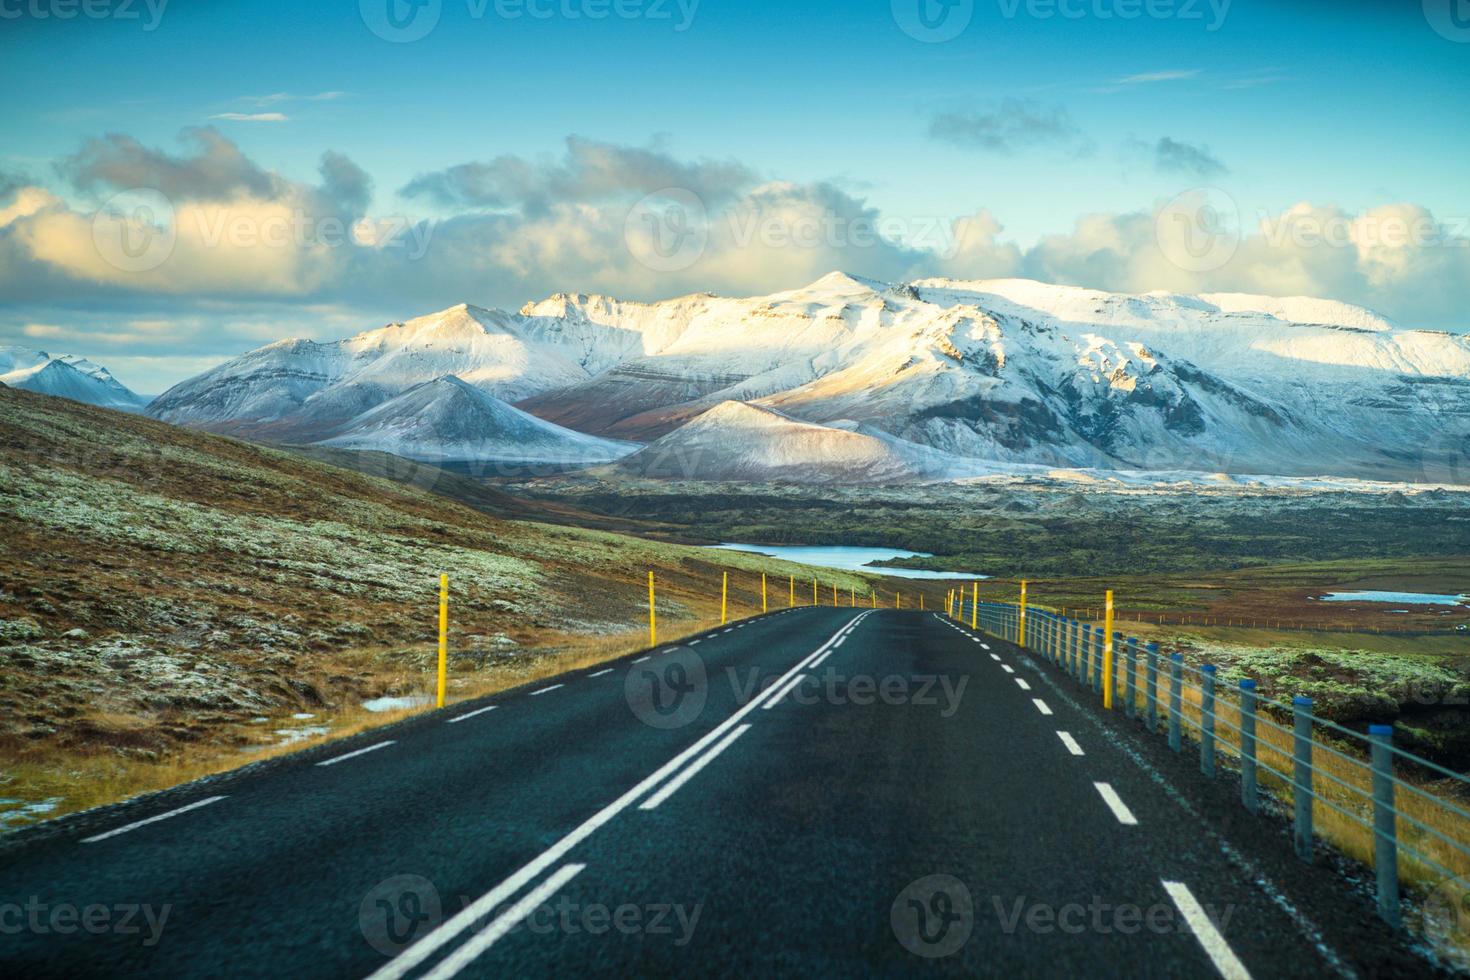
pixel 88 776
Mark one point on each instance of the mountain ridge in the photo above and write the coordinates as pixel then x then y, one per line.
pixel 1006 370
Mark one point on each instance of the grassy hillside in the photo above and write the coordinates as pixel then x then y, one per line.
pixel 172 601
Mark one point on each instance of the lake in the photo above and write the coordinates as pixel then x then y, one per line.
pixel 847 559
pixel 1403 598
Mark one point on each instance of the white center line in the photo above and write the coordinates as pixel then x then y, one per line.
pixel 1022 684
pixel 470 714
pixel 672 786
pixel 1209 937
pixel 503 924
pixel 352 755
pixel 605 670
pixel 786 689
pixel 546 689
pixel 693 642
pixel 145 822
pixel 1070 743
pixel 1115 803
pixel 985 646
pixel 641 659
pixel 1008 668
pixel 1041 706
pixel 476 911
pixel 995 657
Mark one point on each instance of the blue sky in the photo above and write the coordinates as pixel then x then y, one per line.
pixel 1061 130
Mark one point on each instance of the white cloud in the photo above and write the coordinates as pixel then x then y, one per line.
pixel 251 116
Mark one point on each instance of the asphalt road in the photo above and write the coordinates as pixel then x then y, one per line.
pixel 813 792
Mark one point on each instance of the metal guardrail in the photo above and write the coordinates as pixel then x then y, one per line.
pixel 1318 767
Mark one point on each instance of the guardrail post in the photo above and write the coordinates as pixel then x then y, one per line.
pixel 1098 647
pixel 1153 686
pixel 1176 675
pixel 1249 796
pixel 1207 722
pixel 1385 825
pixel 1130 689
pixel 1301 708
pixel 1084 665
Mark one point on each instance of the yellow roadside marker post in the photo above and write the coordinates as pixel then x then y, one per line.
pixel 874 597
pixel 1107 664
pixel 898 600
pixel 724 598
pixel 974 604
pixel 921 602
pixel 814 592
pixel 792 601
pixel 1021 630
pixel 834 597
pixel 764 607
pixel 652 615
pixel 443 635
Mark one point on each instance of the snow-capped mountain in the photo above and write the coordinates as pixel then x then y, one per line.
pixel 736 442
pixel 65 376
pixel 448 419
pixel 1009 371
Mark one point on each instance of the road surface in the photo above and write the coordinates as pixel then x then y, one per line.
pixel 818 791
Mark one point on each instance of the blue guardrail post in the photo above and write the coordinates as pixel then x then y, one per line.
pixel 1130 657
pixel 1301 708
pixel 1153 687
pixel 1385 833
pixel 1207 722
pixel 1249 796
pixel 1176 672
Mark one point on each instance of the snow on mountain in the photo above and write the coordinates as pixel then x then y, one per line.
pixel 448 419
pixel 735 442
pixel 297 390
pixel 65 376
pixel 1008 371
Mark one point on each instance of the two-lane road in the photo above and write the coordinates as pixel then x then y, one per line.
pixel 815 791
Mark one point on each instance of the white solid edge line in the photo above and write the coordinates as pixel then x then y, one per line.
pixel 470 714
pixel 672 786
pixel 786 688
pixel 1209 937
pixel 544 690
pixel 482 906
pixel 502 924
pixel 1041 706
pixel 605 670
pixel 147 820
pixel 1115 803
pixel 1070 743
pixel 352 755
pixel 1022 684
